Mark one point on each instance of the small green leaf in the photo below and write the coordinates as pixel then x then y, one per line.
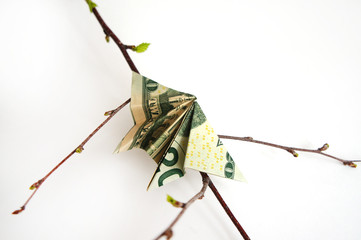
pixel 141 47
pixel 91 5
pixel 174 202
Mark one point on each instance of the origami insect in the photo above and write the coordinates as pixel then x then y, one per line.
pixel 172 128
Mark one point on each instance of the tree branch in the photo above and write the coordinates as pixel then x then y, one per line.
pixel 228 211
pixel 168 233
pixel 123 48
pixel 293 150
pixel 79 149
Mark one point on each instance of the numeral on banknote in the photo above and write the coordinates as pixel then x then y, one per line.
pixel 229 168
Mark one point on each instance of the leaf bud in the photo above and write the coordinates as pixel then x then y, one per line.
pixel 293 152
pixel 174 202
pixel 324 147
pixel 79 149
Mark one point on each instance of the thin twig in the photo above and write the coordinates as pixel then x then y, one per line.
pixel 122 47
pixel 168 233
pixel 79 149
pixel 293 150
pixel 228 211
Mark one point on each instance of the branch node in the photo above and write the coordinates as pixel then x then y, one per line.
pixel 168 234
pixel 129 47
pixel 19 210
pixel 324 147
pixel 79 149
pixel 174 202
pixel 109 113
pixel 350 163
pixel 36 185
pixel 293 152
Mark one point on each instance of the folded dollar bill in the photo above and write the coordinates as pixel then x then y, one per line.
pixel 172 128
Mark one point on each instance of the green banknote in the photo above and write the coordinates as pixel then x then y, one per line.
pixel 172 128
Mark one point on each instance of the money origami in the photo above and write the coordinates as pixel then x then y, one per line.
pixel 172 128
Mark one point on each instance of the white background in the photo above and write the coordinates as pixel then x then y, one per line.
pixel 286 72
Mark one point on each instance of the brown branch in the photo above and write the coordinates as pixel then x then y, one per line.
pixel 168 233
pixel 108 32
pixel 228 211
pixel 293 150
pixel 79 149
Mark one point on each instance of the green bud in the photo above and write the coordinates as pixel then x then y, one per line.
pixel 79 149
pixel 174 202
pixel 293 152
pixel 350 163
pixel 91 5
pixel 36 185
pixel 108 113
pixel 324 147
pixel 354 165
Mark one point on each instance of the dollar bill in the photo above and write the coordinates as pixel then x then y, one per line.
pixel 171 167
pixel 171 127
pixel 206 152
pixel 157 113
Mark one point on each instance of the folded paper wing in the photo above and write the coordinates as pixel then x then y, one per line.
pixel 172 128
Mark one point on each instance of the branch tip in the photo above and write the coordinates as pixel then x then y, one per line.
pixel 349 163
pixel 324 147
pixel 79 149
pixel 293 152
pixel 91 5
pixel 19 210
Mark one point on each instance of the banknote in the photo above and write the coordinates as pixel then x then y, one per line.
pixel 172 128
pixel 206 152
pixel 157 112
pixel 172 166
